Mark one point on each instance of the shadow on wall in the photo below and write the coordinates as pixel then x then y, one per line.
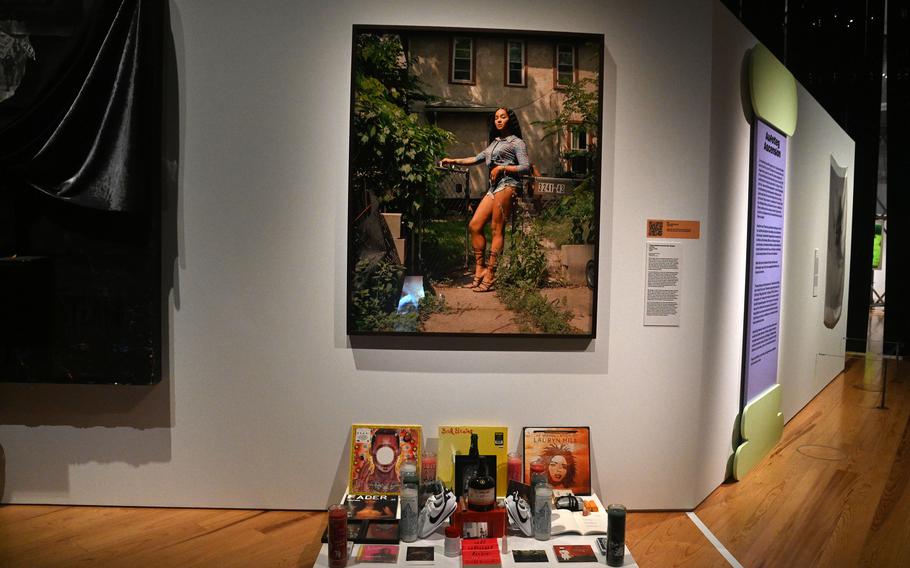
pixel 340 483
pixel 2 475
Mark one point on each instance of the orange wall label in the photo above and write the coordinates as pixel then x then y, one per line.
pixel 667 229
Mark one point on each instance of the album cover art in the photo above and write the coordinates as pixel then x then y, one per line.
pixel 377 452
pixel 566 453
pixel 371 507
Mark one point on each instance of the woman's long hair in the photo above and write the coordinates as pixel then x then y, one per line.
pixel 514 126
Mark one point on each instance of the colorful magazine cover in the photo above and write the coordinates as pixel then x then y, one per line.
pixel 566 453
pixel 456 440
pixel 377 452
pixel 371 507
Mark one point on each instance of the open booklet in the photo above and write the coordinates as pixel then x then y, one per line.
pixel 565 521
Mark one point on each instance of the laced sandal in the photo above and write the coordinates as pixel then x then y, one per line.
pixel 475 282
pixel 488 284
pixel 478 264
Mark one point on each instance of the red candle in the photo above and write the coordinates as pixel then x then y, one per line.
pixel 338 537
pixel 515 469
pixel 428 467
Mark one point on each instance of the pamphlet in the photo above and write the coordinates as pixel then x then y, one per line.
pixel 378 553
pixel 574 553
pixel 530 556
pixel 420 555
pixel 480 552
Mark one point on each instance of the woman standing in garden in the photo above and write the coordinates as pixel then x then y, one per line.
pixel 507 158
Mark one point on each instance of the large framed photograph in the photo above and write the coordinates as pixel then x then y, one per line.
pixel 474 182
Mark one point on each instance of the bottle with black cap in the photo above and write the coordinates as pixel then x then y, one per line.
pixel 481 487
pixel 616 535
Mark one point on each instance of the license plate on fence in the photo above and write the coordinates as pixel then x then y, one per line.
pixel 552 188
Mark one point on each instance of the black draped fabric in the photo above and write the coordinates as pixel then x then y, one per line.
pixel 85 137
pixel 80 194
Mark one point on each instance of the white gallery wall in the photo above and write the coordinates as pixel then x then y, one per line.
pixel 262 384
pixel 810 353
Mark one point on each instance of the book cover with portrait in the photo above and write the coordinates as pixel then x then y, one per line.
pixel 565 452
pixel 377 452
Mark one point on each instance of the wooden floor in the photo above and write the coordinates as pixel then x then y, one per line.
pixel 835 492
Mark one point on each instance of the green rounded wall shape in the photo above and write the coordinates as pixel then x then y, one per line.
pixel 773 90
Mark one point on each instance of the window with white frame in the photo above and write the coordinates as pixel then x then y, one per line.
pixel 515 63
pixel 579 155
pixel 462 63
pixel 565 64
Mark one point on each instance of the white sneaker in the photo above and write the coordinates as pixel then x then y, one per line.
pixel 438 508
pixel 519 513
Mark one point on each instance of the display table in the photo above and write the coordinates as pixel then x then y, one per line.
pixel 437 541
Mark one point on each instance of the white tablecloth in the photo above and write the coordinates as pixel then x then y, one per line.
pixel 437 541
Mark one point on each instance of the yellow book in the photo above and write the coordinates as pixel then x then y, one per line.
pixel 456 440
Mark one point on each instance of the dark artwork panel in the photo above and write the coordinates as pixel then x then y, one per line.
pixel 460 223
pixel 835 271
pixel 80 255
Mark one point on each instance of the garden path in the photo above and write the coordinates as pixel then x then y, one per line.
pixel 471 312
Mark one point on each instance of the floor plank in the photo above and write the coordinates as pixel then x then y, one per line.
pixel 669 539
pixel 835 480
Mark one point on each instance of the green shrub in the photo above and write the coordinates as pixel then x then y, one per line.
pixel 535 313
pixel 374 297
pixel 524 263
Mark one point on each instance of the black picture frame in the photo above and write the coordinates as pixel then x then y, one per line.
pixel 385 282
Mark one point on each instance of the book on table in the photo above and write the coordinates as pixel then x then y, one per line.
pixel 564 521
